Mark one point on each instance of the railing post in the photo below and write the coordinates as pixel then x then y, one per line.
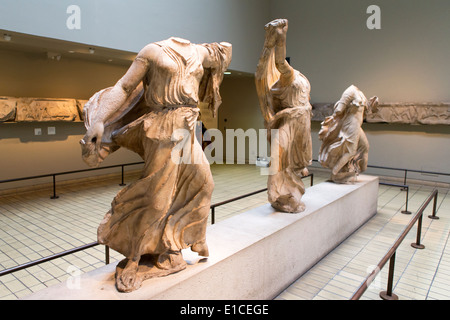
pixel 388 295
pixel 406 202
pixel 312 179
pixel 106 255
pixel 122 183
pixel 213 215
pixel 433 215
pixel 417 244
pixel 54 188
pixel 404 180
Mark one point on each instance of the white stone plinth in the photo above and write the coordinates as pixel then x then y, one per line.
pixel 253 255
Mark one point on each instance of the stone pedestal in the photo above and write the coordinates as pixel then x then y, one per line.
pixel 253 255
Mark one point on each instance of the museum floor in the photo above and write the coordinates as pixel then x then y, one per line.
pixel 33 226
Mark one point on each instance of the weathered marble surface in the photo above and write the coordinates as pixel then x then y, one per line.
pixel 7 109
pixel 410 113
pixel 284 95
pixel 152 110
pixel 405 113
pixel 345 148
pixel 43 109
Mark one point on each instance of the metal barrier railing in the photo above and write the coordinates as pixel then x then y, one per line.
pixel 49 258
pixel 53 175
pixel 409 170
pixel 405 177
pixel 402 187
pixel 390 255
pixel 214 206
pixel 93 244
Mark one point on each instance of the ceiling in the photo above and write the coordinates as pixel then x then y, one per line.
pixel 54 48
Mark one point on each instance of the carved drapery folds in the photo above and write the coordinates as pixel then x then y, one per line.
pixel 345 148
pixel 283 94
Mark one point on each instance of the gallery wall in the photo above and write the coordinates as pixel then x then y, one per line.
pixel 28 74
pixel 405 61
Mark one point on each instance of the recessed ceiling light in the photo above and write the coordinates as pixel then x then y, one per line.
pixel 91 50
pixel 7 37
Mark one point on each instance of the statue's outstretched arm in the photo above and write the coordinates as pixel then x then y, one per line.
pixel 113 98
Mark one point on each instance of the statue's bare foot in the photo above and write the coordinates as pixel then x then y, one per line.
pixel 201 248
pixel 171 261
pixel 129 280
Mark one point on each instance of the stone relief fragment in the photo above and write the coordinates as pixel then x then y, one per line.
pixel 45 109
pixel 410 113
pixel 404 113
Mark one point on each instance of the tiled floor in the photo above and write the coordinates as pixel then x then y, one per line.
pixel 33 226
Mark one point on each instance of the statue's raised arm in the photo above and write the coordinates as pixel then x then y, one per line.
pixel 283 94
pixel 110 104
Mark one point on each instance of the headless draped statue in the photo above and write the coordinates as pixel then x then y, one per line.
pixel 284 95
pixel 345 148
pixel 166 210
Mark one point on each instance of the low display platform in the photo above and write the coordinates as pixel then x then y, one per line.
pixel 253 255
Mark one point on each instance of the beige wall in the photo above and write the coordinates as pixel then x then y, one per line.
pixel 239 110
pixel 33 75
pixel 404 61
pixel 420 147
pixel 132 24
pixel 29 74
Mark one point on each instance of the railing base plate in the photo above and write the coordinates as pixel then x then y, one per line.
pixel 417 246
pixel 384 295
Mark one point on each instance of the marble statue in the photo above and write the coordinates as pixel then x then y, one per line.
pixel 152 219
pixel 345 148
pixel 284 95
